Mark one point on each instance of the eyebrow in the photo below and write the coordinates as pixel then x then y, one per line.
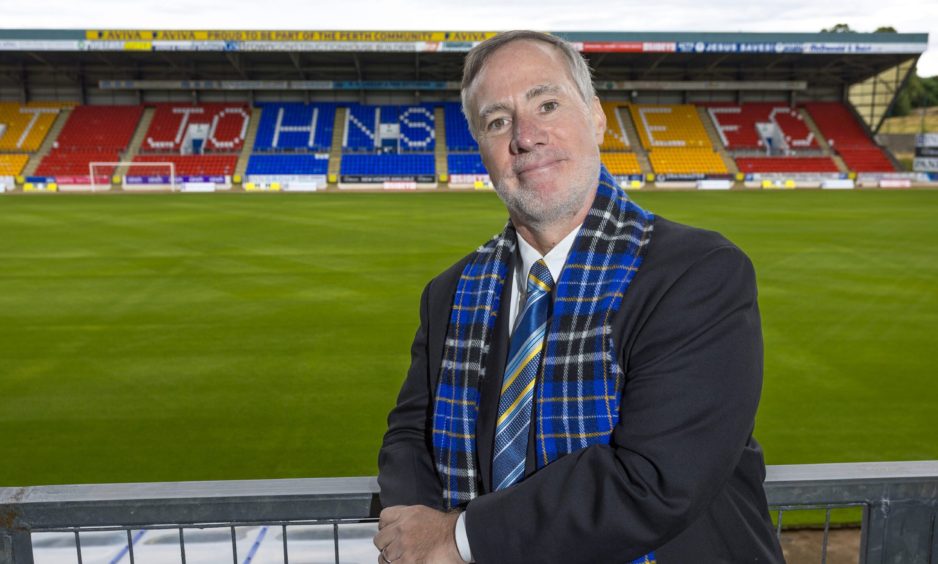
pixel 534 92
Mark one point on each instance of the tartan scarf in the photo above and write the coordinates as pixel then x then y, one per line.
pixel 578 392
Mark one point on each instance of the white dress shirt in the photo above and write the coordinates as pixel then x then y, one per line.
pixel 555 259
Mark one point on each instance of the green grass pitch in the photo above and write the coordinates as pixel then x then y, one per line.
pixel 196 337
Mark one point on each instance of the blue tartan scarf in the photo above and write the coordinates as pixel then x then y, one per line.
pixel 577 396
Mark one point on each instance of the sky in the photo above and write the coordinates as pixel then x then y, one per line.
pixel 907 16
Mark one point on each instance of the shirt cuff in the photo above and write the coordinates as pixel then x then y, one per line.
pixel 462 539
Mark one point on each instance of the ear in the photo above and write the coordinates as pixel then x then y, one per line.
pixel 599 120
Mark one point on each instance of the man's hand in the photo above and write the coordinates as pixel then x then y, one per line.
pixel 415 534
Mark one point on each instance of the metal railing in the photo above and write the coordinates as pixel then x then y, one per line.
pixel 898 502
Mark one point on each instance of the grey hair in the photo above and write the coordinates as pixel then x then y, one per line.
pixel 478 55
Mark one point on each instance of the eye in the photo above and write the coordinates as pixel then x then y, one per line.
pixel 496 124
pixel 549 106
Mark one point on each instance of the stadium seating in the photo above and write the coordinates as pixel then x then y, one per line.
pixel 26 126
pixel 672 160
pixel 91 134
pixel 786 164
pixel 458 137
pixel 614 138
pixel 390 164
pixel 846 136
pixel 187 165
pixel 12 165
pixel 222 126
pixel 99 128
pixel 621 163
pixel 669 126
pixel 288 164
pixel 736 124
pixel 415 126
pixel 866 159
pixel 294 126
pixel 75 163
pixel 466 163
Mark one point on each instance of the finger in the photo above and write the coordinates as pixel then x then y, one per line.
pixel 384 538
pixel 389 515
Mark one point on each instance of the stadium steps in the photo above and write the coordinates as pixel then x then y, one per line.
pixel 137 140
pixel 822 141
pixel 250 137
pixel 716 141
pixel 335 151
pixel 635 141
pixel 442 164
pixel 57 126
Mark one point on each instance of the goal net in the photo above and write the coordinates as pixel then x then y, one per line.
pixel 134 173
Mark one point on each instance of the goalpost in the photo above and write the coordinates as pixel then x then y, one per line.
pixel 170 168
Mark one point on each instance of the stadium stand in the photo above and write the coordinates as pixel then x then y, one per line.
pixel 786 164
pixel 466 163
pixel 201 128
pixel 295 127
pixel 458 137
pixel 23 128
pixel 621 164
pixel 663 125
pixel 91 134
pixel 99 128
pixel 288 164
pixel 188 165
pixel 391 128
pixel 677 160
pixel 736 125
pixel 614 138
pixel 388 165
pixel 61 163
pixel 12 165
pixel 845 135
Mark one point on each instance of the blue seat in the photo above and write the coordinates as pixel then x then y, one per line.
pixel 416 126
pixel 288 164
pixel 295 126
pixel 466 163
pixel 458 137
pixel 389 164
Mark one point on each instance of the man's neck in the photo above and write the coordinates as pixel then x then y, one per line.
pixel 546 238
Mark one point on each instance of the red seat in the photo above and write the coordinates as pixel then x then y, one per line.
pixel 227 126
pixel 785 164
pixel 848 138
pixel 737 124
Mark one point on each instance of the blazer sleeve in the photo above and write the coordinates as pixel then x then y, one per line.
pixel 692 385
pixel 406 474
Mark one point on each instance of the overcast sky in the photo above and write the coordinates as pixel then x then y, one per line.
pixel 907 16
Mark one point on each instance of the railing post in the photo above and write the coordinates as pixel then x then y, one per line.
pixel 899 531
pixel 16 547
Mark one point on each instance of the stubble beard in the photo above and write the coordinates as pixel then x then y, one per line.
pixel 538 210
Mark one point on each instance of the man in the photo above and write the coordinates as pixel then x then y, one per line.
pixel 583 387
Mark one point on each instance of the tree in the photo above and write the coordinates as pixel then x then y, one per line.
pixel 839 28
pixel 885 29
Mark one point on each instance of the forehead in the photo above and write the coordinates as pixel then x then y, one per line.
pixel 517 67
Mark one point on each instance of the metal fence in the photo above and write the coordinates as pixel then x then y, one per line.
pixel 334 518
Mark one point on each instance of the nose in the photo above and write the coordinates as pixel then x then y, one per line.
pixel 526 135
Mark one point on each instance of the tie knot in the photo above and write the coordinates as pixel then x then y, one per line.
pixel 539 278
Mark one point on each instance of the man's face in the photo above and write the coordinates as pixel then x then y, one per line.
pixel 539 140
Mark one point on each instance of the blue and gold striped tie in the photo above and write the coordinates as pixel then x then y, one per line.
pixel 524 362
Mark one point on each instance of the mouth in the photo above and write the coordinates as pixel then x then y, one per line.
pixel 537 166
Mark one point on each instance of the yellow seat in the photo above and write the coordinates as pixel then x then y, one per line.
pixel 12 165
pixel 686 161
pixel 26 125
pixel 670 126
pixel 621 163
pixel 614 138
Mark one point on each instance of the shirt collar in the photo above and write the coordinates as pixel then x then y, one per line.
pixel 555 258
